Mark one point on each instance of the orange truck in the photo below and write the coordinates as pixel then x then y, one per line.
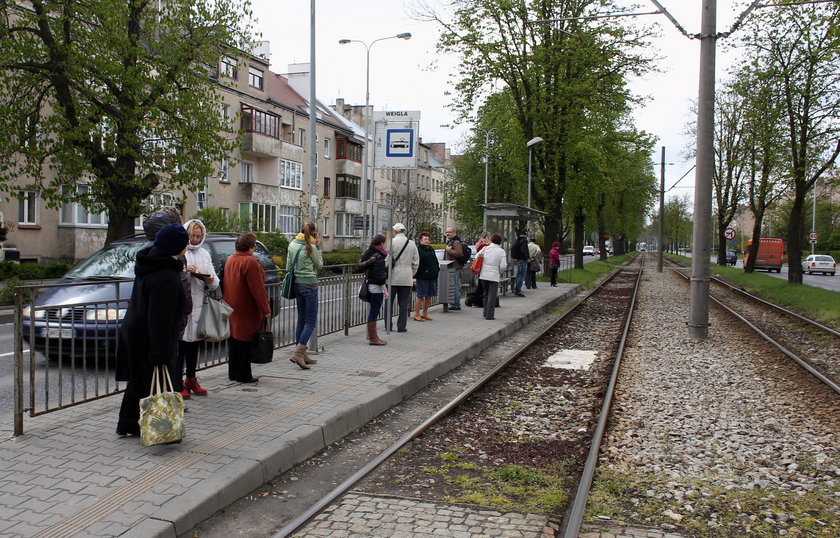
pixel 771 253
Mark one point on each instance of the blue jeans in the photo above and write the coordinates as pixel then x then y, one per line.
pixel 375 304
pixel 307 313
pixel 521 272
pixel 455 275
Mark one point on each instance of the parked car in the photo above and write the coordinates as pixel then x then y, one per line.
pixel 819 263
pixel 588 250
pixel 82 317
pixel 731 257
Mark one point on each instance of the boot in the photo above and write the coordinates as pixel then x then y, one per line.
pixel 299 356
pixel 417 308
pixel 306 358
pixel 185 394
pixel 191 385
pixel 373 338
pixel 427 302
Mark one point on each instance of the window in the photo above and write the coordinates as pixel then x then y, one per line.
pixel 289 221
pixel 260 121
pixel 325 230
pixel 347 150
pixel 75 213
pixel 344 225
pixel 255 77
pixel 291 174
pixel 301 136
pixel 327 154
pixel 224 165
pixel 326 187
pixel 347 186
pixel 258 217
pixel 226 119
pixel 201 196
pixel 28 208
pixel 246 172
pixel 227 66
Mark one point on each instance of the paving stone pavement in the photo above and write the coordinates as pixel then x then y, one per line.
pixel 70 475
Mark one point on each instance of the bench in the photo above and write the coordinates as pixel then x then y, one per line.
pixel 504 283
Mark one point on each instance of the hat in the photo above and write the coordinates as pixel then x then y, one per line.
pixel 171 239
pixel 399 227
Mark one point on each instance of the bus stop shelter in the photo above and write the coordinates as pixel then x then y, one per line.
pixel 508 218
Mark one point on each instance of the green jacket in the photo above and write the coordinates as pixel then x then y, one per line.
pixel 306 270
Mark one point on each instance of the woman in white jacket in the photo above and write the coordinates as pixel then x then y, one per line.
pixel 204 277
pixel 492 269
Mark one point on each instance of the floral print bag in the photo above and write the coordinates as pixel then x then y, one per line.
pixel 162 412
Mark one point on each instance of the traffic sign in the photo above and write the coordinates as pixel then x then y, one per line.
pixel 729 233
pixel 813 237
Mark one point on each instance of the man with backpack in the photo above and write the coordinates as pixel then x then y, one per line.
pixel 459 253
pixel 519 252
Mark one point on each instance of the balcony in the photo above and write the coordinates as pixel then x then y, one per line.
pixel 348 167
pixel 261 130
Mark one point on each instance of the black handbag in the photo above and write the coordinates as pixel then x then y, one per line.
pixel 364 292
pixel 262 345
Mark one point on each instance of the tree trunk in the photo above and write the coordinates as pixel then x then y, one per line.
pixel 579 218
pixel 794 240
pixel 749 260
pixel 120 225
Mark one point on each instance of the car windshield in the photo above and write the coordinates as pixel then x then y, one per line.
pixel 823 258
pixel 116 261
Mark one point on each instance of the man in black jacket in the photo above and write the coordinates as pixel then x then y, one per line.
pixel 519 252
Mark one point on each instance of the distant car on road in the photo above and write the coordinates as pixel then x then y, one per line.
pixel 731 257
pixel 83 317
pixel 588 250
pixel 819 263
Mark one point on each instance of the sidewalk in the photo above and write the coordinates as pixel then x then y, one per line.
pixel 70 475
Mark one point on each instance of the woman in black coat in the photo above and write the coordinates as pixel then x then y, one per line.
pixel 376 275
pixel 152 325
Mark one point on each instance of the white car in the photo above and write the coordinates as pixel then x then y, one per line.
pixel 819 263
pixel 588 250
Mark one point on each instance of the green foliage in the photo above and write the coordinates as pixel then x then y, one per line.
pixel 7 291
pixel 343 258
pixel 276 243
pixel 122 99
pixel 217 220
pixel 3 232
pixel 33 271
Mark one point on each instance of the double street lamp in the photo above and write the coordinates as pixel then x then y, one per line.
pixel 486 162
pixel 365 156
pixel 531 143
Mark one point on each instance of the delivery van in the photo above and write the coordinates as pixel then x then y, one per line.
pixel 771 252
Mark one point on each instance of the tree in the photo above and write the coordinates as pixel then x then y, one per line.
pixel 797 48
pixel 119 96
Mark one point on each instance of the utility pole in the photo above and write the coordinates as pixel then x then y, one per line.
pixel 698 318
pixel 659 259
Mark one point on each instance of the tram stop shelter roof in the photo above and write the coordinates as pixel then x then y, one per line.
pixel 507 218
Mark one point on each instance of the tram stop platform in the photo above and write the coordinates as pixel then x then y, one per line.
pixel 71 475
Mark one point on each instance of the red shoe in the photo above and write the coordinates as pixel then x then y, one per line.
pixel 191 384
pixel 185 394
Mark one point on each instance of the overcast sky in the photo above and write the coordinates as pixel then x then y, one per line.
pixel 410 75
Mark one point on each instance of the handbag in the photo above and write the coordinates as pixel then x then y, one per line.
pixel 534 265
pixel 213 324
pixel 162 412
pixel 289 280
pixel 262 345
pixel 364 292
pixel 477 264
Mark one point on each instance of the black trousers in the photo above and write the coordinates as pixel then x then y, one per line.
pixel 402 294
pixel 187 354
pixel 491 297
pixel 239 360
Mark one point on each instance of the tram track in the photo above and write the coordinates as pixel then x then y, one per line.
pixel 533 440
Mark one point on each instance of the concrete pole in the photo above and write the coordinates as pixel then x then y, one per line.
pixel 660 239
pixel 486 171
pixel 814 217
pixel 698 317
pixel 313 157
pixel 366 157
pixel 530 151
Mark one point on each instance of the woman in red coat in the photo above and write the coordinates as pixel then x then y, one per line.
pixel 244 290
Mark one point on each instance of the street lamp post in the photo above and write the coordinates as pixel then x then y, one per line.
pixel 531 143
pixel 486 164
pixel 365 155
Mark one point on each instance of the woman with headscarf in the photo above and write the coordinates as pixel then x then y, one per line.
pixel 376 276
pixel 305 253
pixel 244 290
pixel 202 278
pixel 151 327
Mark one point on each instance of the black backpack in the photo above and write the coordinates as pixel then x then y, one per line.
pixel 466 254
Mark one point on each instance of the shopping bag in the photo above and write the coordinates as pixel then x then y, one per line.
pixel 476 265
pixel 262 345
pixel 162 412
pixel 289 281
pixel 364 292
pixel 213 324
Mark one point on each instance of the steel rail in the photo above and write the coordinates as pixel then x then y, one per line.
pixel 574 516
pixel 830 383
pixel 345 486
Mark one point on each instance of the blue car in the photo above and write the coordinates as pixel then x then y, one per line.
pixel 80 315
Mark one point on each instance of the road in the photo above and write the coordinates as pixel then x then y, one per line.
pixel 826 282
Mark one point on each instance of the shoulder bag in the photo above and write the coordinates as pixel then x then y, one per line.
pixel 395 260
pixel 478 263
pixel 213 324
pixel 162 412
pixel 289 280
pixel 364 292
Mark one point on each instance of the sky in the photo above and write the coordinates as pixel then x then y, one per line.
pixel 410 75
